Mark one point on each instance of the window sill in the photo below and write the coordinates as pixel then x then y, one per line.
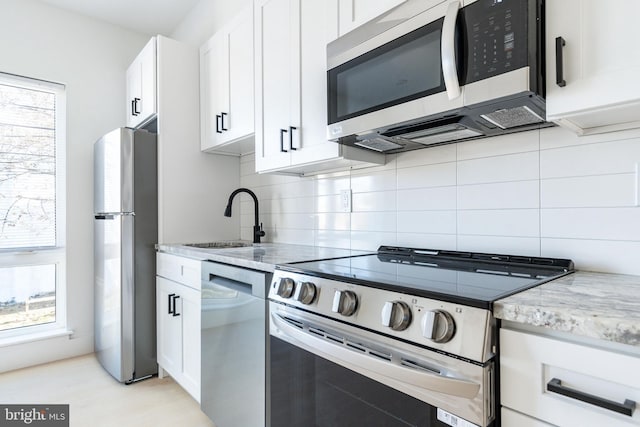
pixel 35 336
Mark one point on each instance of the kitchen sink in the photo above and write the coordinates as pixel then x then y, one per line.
pixel 220 245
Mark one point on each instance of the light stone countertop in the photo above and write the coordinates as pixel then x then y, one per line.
pixel 596 305
pixel 260 256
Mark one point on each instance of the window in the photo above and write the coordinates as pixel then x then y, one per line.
pixel 32 191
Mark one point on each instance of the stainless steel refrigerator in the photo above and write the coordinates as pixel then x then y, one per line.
pixel 125 234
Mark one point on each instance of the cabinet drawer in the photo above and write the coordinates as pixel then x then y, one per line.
pixel 537 373
pixel 515 419
pixel 179 269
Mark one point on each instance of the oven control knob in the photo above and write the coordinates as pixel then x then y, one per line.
pixel 286 287
pixel 396 315
pixel 305 293
pixel 345 303
pixel 438 326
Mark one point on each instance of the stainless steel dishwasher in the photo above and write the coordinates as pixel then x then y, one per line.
pixel 234 335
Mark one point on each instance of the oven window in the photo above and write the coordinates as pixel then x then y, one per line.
pixel 307 390
pixel 404 69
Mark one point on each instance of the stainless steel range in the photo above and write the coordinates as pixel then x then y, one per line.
pixel 399 337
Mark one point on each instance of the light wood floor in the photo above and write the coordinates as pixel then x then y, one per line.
pixel 96 399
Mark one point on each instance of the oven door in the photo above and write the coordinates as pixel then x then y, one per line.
pixel 328 374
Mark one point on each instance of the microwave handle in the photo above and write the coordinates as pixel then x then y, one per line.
pixel 448 48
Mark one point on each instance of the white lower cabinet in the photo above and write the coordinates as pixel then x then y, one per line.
pixel 545 380
pixel 515 419
pixel 178 320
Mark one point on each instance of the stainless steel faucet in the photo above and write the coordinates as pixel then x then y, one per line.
pixel 257 227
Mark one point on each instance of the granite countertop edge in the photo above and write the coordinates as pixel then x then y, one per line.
pixel 603 306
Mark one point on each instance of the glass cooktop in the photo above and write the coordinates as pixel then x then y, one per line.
pixel 475 279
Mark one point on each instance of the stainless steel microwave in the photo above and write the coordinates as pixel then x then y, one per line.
pixel 431 72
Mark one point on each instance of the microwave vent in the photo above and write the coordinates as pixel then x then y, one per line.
pixel 513 117
pixel 377 143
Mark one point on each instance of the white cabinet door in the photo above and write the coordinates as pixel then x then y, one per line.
pixel 141 86
pixel 178 319
pixel 567 384
pixel 190 313
pixel 291 89
pixel 600 64
pixel 227 102
pixel 515 419
pixel 277 56
pixel 169 327
pixel 212 66
pixel 354 13
pixel 319 26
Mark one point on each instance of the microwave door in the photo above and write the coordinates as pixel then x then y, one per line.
pixel 398 77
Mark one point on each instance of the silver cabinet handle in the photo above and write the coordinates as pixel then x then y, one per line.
pixel 448 48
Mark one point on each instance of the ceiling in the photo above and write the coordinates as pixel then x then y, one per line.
pixel 143 16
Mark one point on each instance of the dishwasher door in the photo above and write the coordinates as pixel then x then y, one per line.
pixel 234 333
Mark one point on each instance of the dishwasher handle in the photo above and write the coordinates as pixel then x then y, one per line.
pixel 245 288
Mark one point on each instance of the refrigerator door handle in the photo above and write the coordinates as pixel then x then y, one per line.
pixel 103 217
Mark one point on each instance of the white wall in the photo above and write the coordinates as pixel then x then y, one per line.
pixel 196 28
pixel 206 17
pixel 90 58
pixel 542 193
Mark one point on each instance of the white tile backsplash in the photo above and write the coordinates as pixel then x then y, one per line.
pixel 592 223
pixel 529 246
pixel 434 222
pixel 380 201
pixel 333 221
pixel 368 241
pixel 431 241
pixel 500 222
pixel 501 195
pixel 373 221
pixel 377 181
pixel 498 146
pixel 596 255
pixel 508 167
pixel 434 155
pixel 540 193
pixel 438 175
pixel 425 199
pixel 588 191
pixel 590 159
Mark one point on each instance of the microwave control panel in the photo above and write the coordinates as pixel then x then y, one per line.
pixel 497 34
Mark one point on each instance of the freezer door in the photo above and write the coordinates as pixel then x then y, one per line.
pixel 113 169
pixel 114 294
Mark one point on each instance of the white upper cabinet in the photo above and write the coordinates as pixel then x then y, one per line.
pixel 141 87
pixel 226 85
pixel 593 64
pixel 291 106
pixel 354 13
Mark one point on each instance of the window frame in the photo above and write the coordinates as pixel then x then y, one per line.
pixel 30 256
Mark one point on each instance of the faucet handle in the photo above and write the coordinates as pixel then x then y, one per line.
pixel 260 232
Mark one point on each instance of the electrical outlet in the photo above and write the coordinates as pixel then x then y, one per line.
pixel 345 200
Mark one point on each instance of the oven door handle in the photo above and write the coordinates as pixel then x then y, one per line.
pixel 356 361
pixel 448 49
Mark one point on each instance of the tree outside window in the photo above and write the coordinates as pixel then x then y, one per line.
pixel 29 197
